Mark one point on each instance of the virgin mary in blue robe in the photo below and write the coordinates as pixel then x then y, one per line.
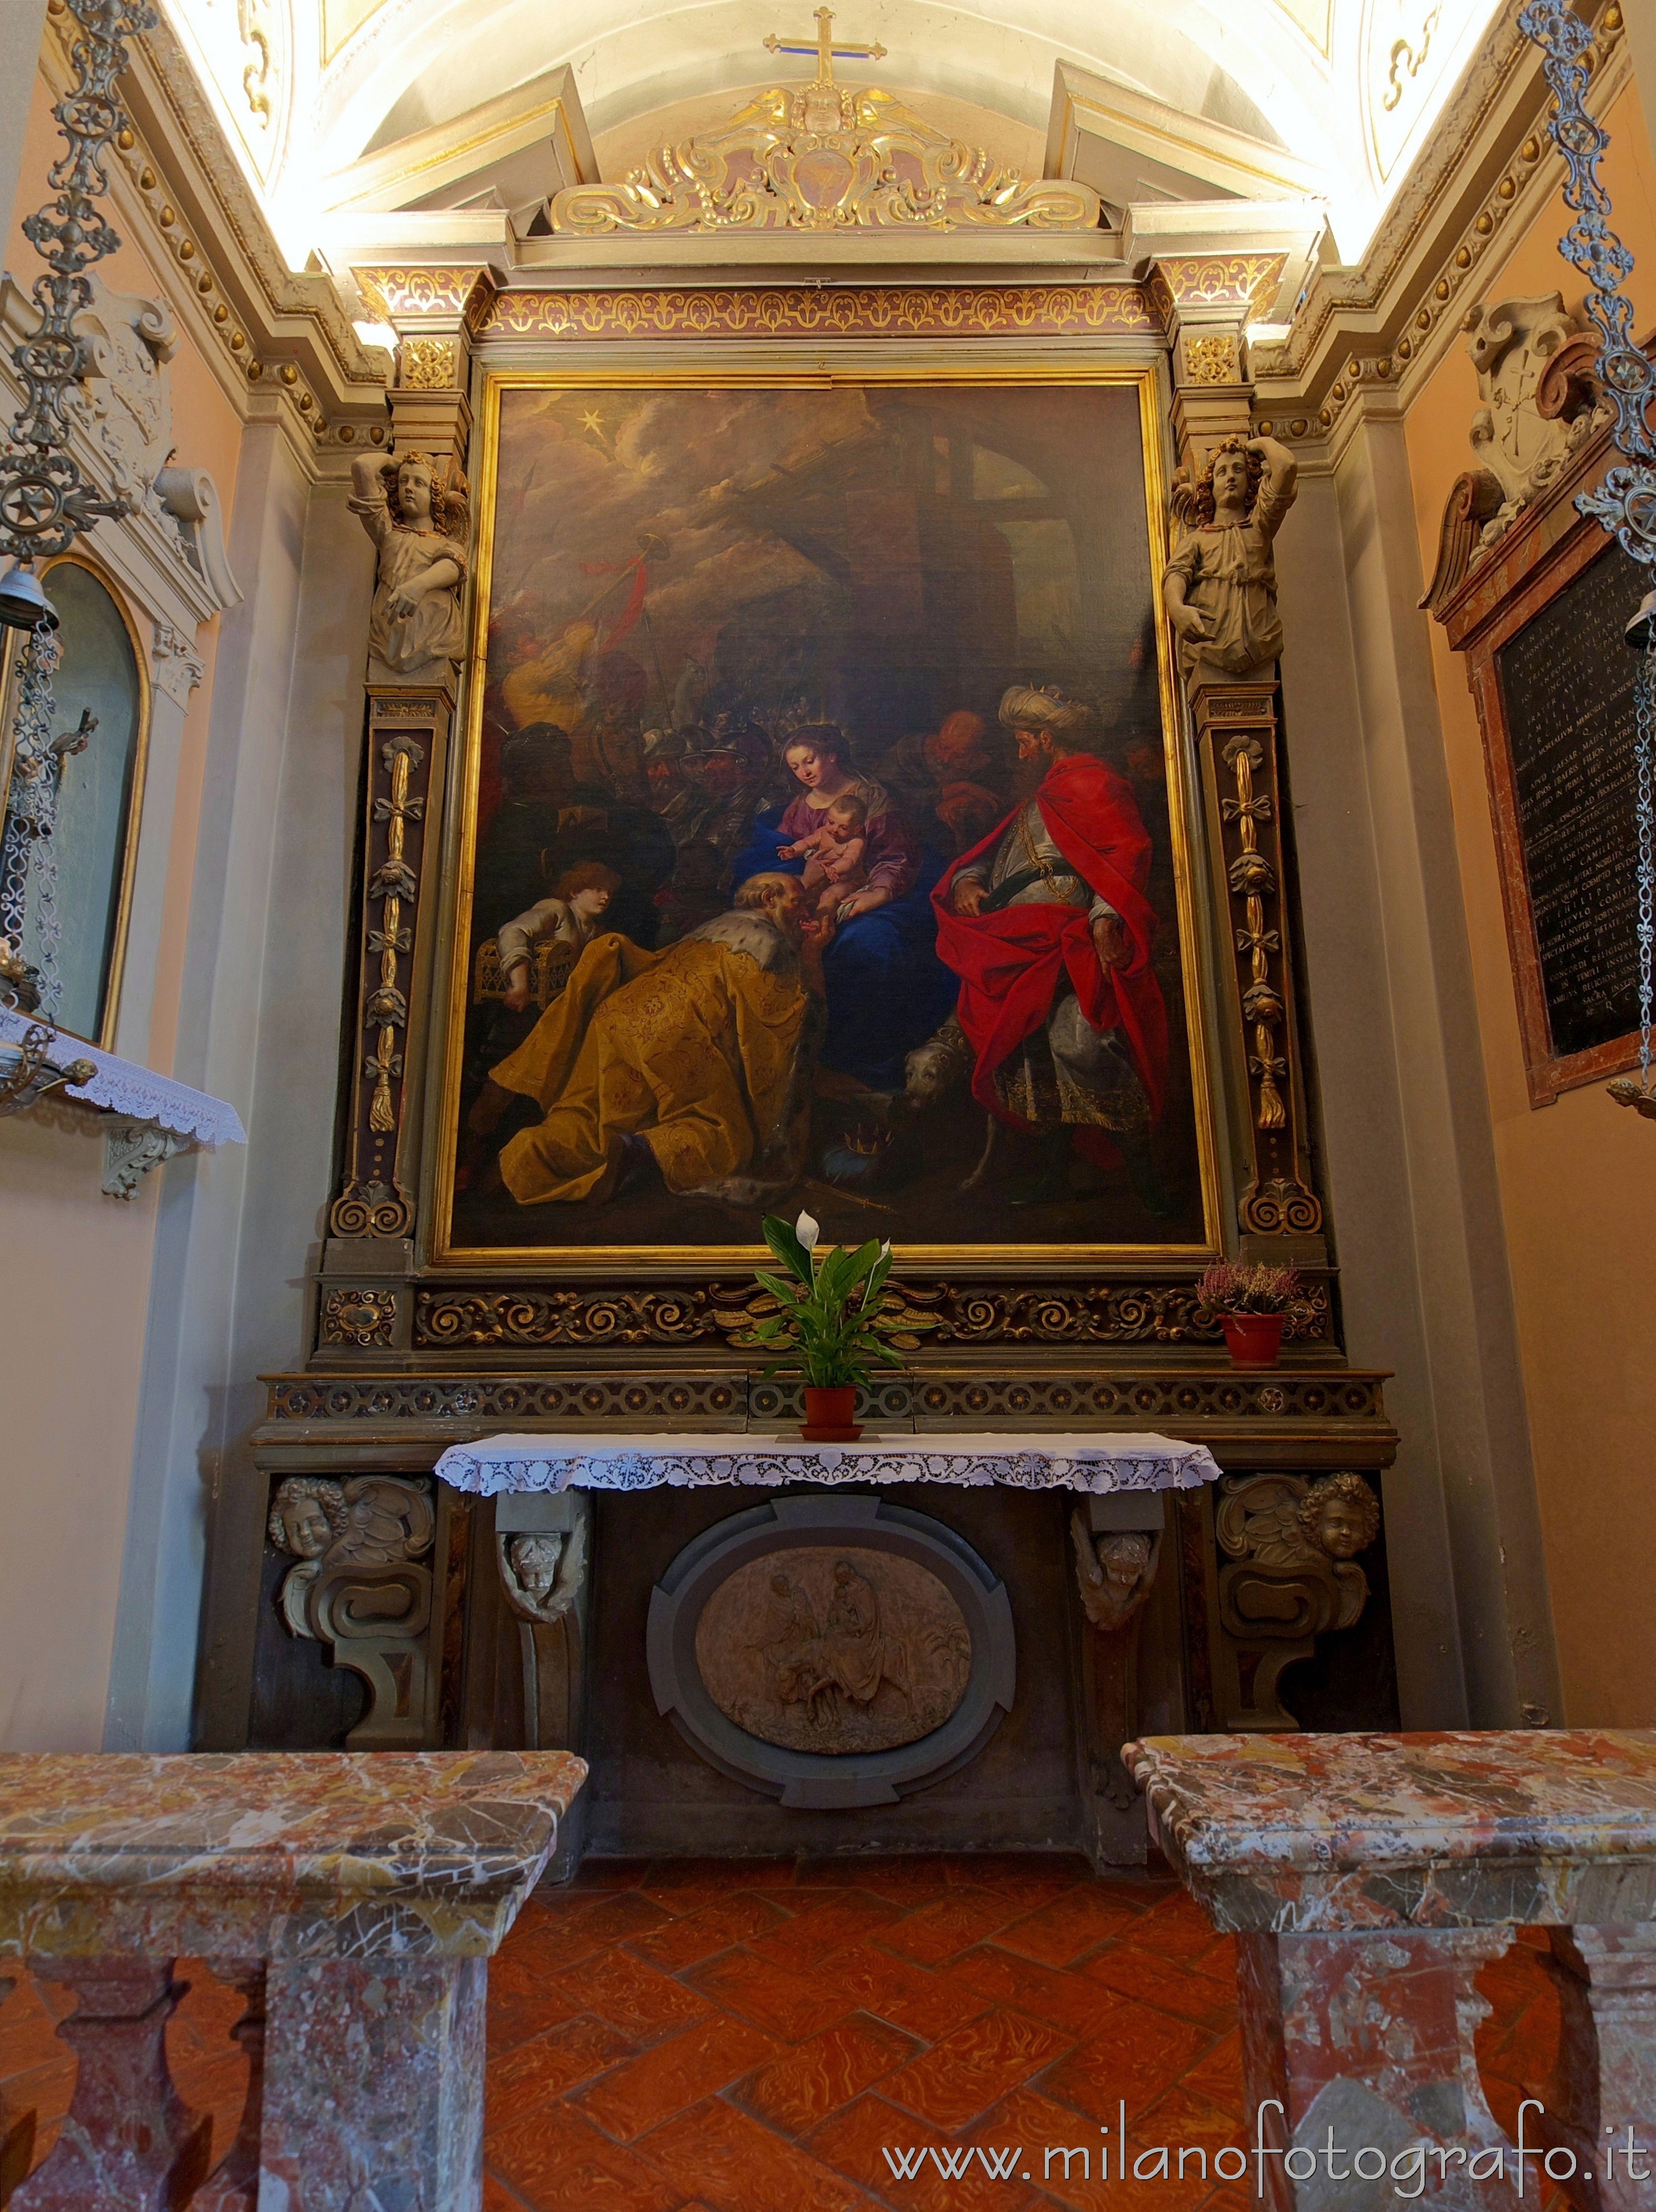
pixel 887 990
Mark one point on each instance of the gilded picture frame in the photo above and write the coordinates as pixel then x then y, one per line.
pixel 587 1246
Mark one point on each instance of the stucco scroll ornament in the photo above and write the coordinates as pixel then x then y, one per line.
pixel 1220 587
pixel 1537 406
pixel 419 515
pixel 361 1587
pixel 828 157
pixel 1115 1572
pixel 1291 1575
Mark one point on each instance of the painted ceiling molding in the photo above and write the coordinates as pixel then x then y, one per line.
pixel 330 103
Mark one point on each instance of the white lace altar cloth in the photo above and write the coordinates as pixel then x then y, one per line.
pixel 554 1461
pixel 121 1086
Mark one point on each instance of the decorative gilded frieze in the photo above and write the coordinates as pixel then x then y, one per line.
pixel 555 1315
pixel 1245 281
pixel 434 290
pixel 810 311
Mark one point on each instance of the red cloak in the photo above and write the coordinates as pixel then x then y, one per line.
pixel 1009 962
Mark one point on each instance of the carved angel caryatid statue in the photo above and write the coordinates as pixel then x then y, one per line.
pixel 1115 1571
pixel 543 1571
pixel 418 513
pixel 1220 587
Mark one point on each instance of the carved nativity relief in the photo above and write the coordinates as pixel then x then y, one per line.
pixel 826 823
pixel 834 1651
pixel 359 1586
pixel 1291 1546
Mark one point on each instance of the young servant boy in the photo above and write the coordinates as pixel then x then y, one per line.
pixel 833 854
pixel 570 916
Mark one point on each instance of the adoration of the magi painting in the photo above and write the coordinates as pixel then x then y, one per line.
pixel 827 843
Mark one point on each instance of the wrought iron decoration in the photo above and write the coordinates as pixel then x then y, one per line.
pixel 45 502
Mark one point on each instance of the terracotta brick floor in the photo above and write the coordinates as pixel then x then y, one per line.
pixel 752 2036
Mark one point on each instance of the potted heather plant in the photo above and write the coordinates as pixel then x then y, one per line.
pixel 829 1323
pixel 1252 1305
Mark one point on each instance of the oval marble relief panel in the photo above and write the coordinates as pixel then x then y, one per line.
pixel 836 1651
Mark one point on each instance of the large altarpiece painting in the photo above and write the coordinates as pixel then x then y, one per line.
pixel 752 912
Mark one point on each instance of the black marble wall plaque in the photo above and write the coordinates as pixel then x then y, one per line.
pixel 1566 682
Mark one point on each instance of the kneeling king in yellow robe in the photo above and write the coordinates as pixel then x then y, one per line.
pixel 696 1050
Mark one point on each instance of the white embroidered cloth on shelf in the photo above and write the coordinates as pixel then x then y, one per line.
pixel 555 1461
pixel 121 1086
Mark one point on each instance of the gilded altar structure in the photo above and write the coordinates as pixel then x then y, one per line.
pixel 668 575
pixel 804 649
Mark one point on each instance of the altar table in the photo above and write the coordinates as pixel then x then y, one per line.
pixel 1041 1460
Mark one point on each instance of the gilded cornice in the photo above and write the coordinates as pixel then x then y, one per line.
pixel 811 310
pixel 1245 282
pixel 439 291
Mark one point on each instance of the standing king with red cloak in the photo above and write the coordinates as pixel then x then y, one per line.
pixel 1048 926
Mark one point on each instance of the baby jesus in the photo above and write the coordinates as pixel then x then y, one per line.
pixel 833 854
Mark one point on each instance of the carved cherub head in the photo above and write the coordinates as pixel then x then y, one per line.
pixel 1124 1560
pixel 1232 473
pixel 1116 1571
pixel 307 1514
pixel 543 1570
pixel 534 1561
pixel 1339 1515
pixel 426 494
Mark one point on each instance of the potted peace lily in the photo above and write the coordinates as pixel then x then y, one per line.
pixel 828 1324
pixel 1253 1304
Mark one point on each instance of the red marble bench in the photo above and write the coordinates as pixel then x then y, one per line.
pixel 1368 1879
pixel 355 1899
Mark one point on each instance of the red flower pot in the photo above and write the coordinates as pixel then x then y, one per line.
pixel 828 1413
pixel 1253 1340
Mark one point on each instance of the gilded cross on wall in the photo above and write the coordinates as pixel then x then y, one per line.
pixel 824 48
